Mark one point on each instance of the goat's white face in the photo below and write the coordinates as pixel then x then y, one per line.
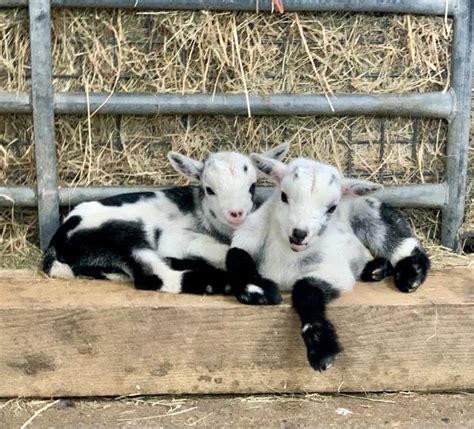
pixel 228 180
pixel 309 194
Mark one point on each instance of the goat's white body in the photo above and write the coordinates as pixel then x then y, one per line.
pixel 141 235
pixel 336 256
pixel 179 235
pixel 313 237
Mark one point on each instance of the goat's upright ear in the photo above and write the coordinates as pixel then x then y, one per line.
pixel 188 167
pixel 278 152
pixel 271 168
pixel 356 187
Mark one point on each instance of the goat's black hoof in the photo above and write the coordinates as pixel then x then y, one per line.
pixel 321 364
pixel 376 270
pixel 411 272
pixel 260 292
pixel 322 344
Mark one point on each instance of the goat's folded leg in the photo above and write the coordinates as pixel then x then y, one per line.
pixel 200 277
pixel 386 232
pixel 376 270
pixel 249 287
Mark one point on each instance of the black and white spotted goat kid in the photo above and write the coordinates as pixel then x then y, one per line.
pixel 174 239
pixel 313 237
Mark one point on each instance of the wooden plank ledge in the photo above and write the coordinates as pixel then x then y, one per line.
pixel 94 338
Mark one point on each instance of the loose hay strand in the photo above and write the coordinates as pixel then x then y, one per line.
pixel 38 412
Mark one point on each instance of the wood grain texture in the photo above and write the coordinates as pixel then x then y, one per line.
pixel 86 338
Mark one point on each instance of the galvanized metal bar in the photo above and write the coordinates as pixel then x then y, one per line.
pixel 458 131
pixel 421 196
pixel 424 7
pixel 43 119
pixel 12 102
pixel 429 105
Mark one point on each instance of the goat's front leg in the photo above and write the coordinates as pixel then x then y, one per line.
pixel 249 287
pixel 310 296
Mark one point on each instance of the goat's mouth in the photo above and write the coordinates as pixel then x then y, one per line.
pixel 235 224
pixel 298 247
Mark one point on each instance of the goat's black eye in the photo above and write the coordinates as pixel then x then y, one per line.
pixel 209 191
pixel 252 189
pixel 284 198
pixel 331 209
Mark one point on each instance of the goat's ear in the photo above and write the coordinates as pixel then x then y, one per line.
pixel 186 166
pixel 271 168
pixel 278 152
pixel 356 187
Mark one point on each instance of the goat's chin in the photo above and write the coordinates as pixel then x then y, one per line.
pixel 234 225
pixel 298 247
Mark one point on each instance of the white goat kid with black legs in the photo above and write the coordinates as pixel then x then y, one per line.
pixel 174 239
pixel 312 236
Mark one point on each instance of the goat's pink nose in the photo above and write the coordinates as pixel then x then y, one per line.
pixel 236 214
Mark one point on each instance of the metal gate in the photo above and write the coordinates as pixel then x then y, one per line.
pixel 452 105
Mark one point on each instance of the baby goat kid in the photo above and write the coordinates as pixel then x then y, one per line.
pixel 174 239
pixel 314 238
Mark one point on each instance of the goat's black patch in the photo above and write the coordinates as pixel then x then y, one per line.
pixel 200 277
pixel 183 197
pixel 245 168
pixel 265 168
pixel 131 198
pixel 157 236
pixel 59 238
pixel 382 230
pixel 144 278
pixel 252 190
pixel 109 248
pixel 277 154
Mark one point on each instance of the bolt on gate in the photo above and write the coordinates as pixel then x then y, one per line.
pixel 452 105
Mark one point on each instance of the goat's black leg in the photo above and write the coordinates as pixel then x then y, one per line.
pixel 310 296
pixel 249 287
pixel 200 277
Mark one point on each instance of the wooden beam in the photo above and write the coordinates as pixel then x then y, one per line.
pixel 87 338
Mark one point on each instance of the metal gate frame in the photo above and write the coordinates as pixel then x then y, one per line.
pixel 452 105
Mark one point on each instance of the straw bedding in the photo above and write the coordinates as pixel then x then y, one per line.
pixel 225 52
